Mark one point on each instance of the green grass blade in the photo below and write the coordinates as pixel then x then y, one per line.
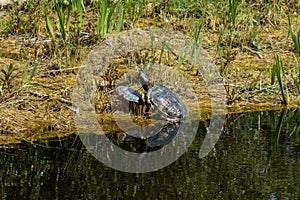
pixel 49 25
pixel 33 72
pixel 278 69
pixel 120 19
pixel 59 12
pixel 295 37
pixel 68 18
pixel 104 13
pixel 4 72
pixel 197 31
pixel 24 78
pixel 110 14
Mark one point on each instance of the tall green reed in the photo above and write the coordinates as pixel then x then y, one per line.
pixel 64 43
pixel 296 41
pixel 277 71
pixel 134 9
pixel 295 37
pixel 110 16
pixel 233 4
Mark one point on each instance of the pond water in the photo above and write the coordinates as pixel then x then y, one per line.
pixel 256 157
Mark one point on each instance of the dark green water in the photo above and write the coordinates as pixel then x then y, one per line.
pixel 256 157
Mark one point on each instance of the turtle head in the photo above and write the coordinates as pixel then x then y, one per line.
pixel 144 80
pixel 146 102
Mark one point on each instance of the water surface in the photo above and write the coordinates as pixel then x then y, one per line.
pixel 256 157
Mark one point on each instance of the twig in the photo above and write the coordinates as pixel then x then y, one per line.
pixel 61 70
pixel 74 108
pixel 36 94
pixel 255 52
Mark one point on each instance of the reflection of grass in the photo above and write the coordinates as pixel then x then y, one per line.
pixel 287 122
pixel 275 141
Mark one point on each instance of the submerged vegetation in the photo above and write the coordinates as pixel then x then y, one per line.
pixel 43 44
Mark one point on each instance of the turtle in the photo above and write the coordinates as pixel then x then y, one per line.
pixel 166 102
pixel 163 99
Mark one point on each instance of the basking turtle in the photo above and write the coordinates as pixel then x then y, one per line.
pixel 164 100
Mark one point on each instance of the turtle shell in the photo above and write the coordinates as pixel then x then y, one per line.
pixel 130 94
pixel 167 103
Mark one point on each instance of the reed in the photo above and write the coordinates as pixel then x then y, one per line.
pixel 233 4
pixel 65 35
pixel 134 9
pixel 197 30
pixel 111 16
pixel 277 71
pixel 295 37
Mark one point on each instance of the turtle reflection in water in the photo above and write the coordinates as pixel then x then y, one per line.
pixel 167 103
pixel 168 132
pixel 164 100
pixel 164 135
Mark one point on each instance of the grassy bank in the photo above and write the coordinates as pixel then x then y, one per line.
pixel 255 45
